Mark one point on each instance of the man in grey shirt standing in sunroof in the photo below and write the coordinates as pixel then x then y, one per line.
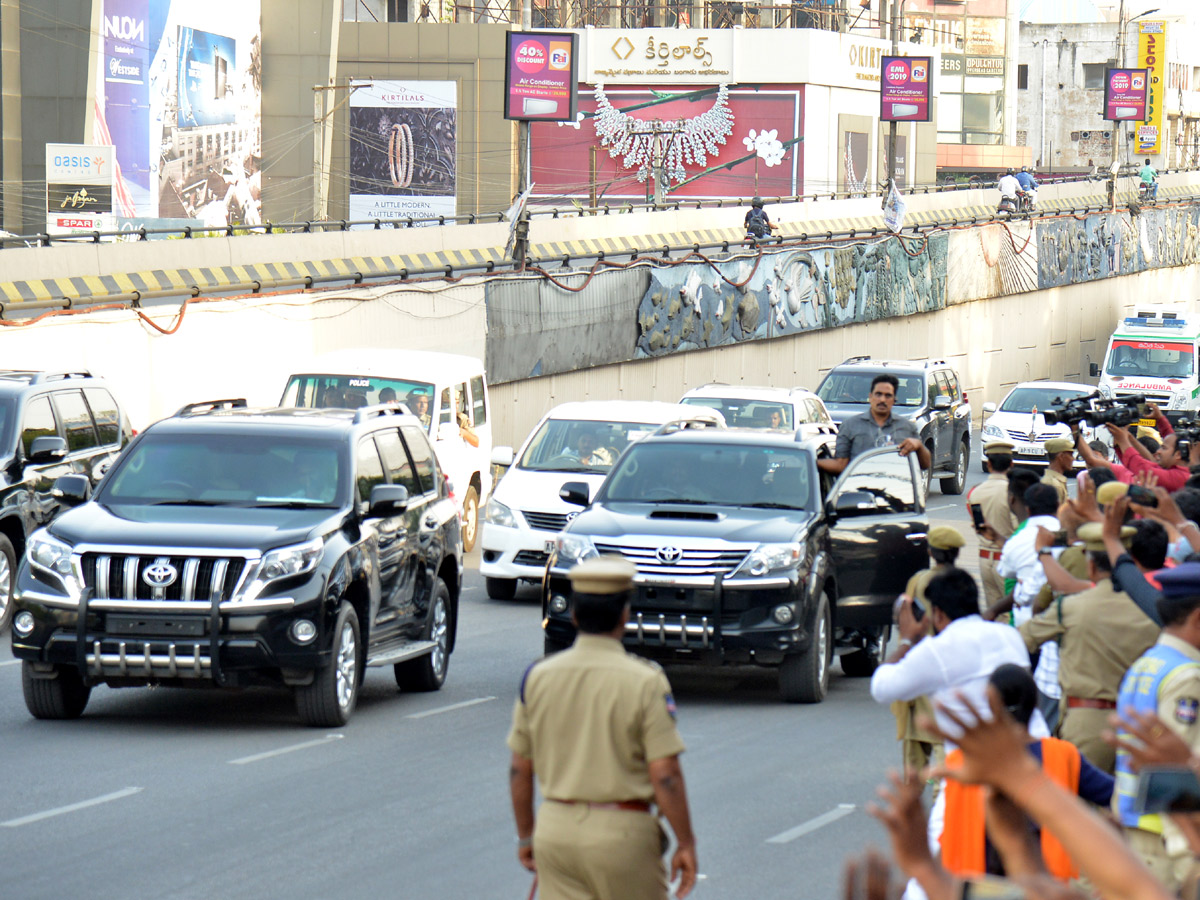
pixel 876 428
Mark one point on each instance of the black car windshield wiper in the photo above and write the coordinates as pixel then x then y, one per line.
pixel 769 504
pixel 289 504
pixel 188 502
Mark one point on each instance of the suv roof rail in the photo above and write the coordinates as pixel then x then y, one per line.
pixel 702 419
pixel 855 359
pixel 380 409
pixel 806 430
pixel 207 406
pixel 39 377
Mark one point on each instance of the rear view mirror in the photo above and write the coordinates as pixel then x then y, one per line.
pixel 502 456
pixel 47 448
pixel 856 503
pixel 575 492
pixel 387 500
pixel 989 407
pixel 1094 369
pixel 71 490
pixel 941 401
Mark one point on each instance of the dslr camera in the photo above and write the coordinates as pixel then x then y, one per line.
pixel 1187 433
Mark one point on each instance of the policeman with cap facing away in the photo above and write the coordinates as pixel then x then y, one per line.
pixel 921 748
pixel 1164 681
pixel 1101 634
pixel 991 496
pixel 596 726
pixel 1060 456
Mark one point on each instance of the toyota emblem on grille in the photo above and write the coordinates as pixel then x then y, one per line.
pixel 571 516
pixel 668 555
pixel 160 574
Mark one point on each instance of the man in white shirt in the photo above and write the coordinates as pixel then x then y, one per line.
pixel 1009 186
pixel 960 656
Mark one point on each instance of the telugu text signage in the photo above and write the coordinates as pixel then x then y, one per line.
pixel 688 56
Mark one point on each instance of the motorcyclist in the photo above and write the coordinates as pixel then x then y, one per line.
pixel 1029 185
pixel 1149 176
pixel 1010 191
pixel 758 223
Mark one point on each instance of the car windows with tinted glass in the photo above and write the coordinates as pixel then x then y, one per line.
pixel 370 470
pixel 105 412
pixel 76 418
pixel 421 454
pixel 886 478
pixel 38 422
pixel 395 460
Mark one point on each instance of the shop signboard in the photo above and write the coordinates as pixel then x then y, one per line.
pixel 1125 94
pixel 1152 56
pixel 541 75
pixel 905 88
pixel 79 188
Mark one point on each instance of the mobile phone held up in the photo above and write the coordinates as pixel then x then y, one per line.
pixel 1167 789
pixel 977 515
pixel 1142 496
pixel 918 608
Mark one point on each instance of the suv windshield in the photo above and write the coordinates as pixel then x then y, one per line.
pixel 580 445
pixel 707 473
pixel 1027 399
pixel 228 470
pixel 1150 358
pixel 851 388
pixel 353 391
pixel 740 413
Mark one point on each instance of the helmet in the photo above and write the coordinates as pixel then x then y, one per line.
pixel 757 203
pixel 1008 172
pixel 1024 168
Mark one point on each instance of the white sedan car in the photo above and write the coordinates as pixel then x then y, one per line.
pixel 1020 419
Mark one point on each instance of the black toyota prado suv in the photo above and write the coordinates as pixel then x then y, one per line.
pixel 747 554
pixel 930 394
pixel 51 424
pixel 232 547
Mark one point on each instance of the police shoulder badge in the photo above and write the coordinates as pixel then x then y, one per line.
pixel 670 699
pixel 1187 710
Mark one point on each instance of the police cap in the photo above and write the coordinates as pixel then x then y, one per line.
pixel 603 575
pixel 1059 445
pixel 1181 581
pixel 1091 533
pixel 1111 491
pixel 943 537
pixel 998 447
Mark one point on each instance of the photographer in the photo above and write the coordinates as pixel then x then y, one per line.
pixel 1167 464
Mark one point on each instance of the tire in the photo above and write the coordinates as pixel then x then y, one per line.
pixel 8 579
pixel 863 663
pixel 958 481
pixel 501 588
pixel 552 645
pixel 329 701
pixel 470 519
pixel 428 672
pixel 62 697
pixel 804 677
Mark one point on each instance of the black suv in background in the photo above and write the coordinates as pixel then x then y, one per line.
pixel 930 394
pixel 747 554
pixel 232 547
pixel 51 424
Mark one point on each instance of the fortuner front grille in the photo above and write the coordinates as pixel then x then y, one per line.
pixel 115 576
pixel 673 559
pixel 545 521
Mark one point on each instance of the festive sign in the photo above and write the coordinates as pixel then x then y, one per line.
pixel 540 76
pixel 904 88
pixel 1125 94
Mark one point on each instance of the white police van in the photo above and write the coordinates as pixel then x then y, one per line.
pixel 1153 353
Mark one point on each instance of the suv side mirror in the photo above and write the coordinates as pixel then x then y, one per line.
pixel 575 492
pixel 1094 369
pixel 70 490
pixel 48 448
pixel 387 500
pixel 855 503
pixel 502 456
pixel 989 407
pixel 941 401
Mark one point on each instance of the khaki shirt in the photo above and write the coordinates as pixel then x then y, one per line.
pixel 1058 481
pixel 1074 560
pixel 992 496
pixel 1103 633
pixel 590 718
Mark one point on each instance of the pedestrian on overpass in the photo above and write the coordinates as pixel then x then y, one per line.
pixel 596 726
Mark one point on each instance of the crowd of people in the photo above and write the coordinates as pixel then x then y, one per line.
pixel 1029 710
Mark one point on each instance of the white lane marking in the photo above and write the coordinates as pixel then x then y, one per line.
pixel 282 750
pixel 945 506
pixel 10 662
pixel 784 837
pixel 450 708
pixel 73 807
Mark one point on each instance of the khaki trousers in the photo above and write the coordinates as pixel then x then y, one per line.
pixel 993 583
pixel 598 854
pixel 1083 728
pixel 1152 850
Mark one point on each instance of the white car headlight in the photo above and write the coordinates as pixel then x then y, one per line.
pixel 992 431
pixel 574 549
pixel 284 562
pixel 50 556
pixel 767 558
pixel 499 514
pixel 1106 390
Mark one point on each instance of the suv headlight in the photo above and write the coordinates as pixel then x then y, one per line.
pixel 499 514
pixel 574 549
pixel 767 558
pixel 992 431
pixel 284 562
pixel 50 556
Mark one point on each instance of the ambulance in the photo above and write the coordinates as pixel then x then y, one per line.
pixel 1153 353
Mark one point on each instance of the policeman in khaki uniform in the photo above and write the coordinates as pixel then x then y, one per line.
pixel 1101 633
pixel 920 748
pixel 1060 454
pixel 992 496
pixel 597 727
pixel 1164 681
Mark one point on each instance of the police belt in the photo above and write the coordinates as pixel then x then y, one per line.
pixel 628 805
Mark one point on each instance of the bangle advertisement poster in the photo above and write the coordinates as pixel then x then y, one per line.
pixel 403 150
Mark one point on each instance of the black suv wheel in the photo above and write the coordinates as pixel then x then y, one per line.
pixel 956 482
pixel 804 677
pixel 428 672
pixel 333 694
pixel 64 696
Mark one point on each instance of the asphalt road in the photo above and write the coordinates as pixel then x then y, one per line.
pixel 193 794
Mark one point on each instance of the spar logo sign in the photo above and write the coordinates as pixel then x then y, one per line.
pixel 530 57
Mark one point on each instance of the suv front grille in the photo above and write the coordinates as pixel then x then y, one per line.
pixel 116 576
pixel 691 560
pixel 1018 435
pixel 545 521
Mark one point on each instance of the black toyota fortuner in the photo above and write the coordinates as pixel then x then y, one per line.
pixel 231 547
pixel 747 554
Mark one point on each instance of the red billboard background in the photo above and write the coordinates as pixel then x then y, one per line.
pixel 560 154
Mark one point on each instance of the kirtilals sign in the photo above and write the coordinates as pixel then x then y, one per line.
pixel 180 99
pixel 403 150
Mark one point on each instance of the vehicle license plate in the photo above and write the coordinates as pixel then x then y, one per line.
pixel 162 626
pixel 1024 449
pixel 549 547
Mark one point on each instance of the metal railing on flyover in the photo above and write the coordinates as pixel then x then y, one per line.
pixel 539 265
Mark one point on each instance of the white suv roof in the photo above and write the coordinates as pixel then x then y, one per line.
pixel 750 392
pixel 425 365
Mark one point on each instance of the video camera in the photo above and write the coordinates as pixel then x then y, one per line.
pixel 1095 409
pixel 1187 434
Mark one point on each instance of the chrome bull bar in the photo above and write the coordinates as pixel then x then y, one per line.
pixel 139 659
pixel 673 630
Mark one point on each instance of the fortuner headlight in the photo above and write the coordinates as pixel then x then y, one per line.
pixel 499 514
pixel 574 549
pixel 767 558
pixel 50 556
pixel 299 559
